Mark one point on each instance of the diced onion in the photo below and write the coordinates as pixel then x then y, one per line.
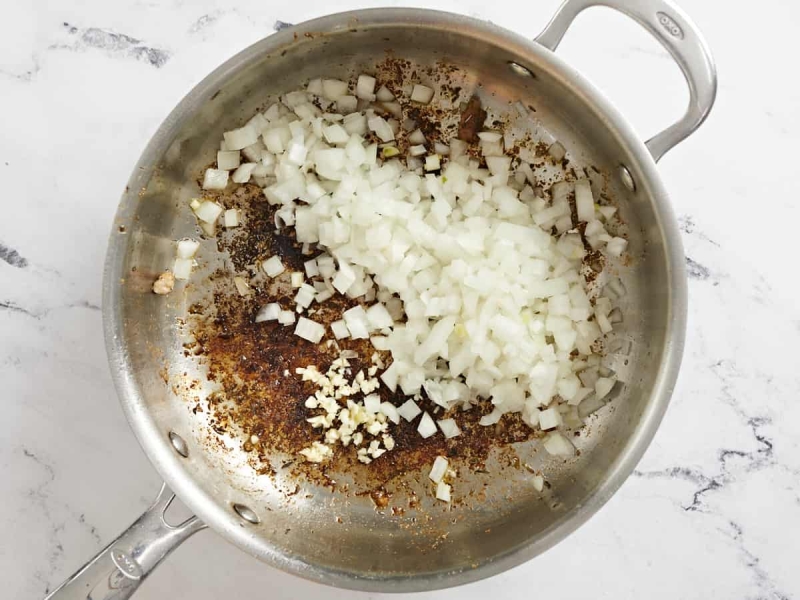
pixel 187 248
pixel 365 87
pixel 372 403
pixel 209 211
pixel 357 322
pixel 273 266
pixel 557 151
pixel 426 427
pixel 616 246
pixel 432 162
pixel 305 295
pixel 241 138
pixel 333 88
pixel 309 330
pixel 409 411
pixel 384 95
pixel 215 179
pixel 416 137
pixel 231 218
pixel 584 201
pixel 227 160
pixel 449 428
pixel 549 419
pixel 296 279
pixel 557 445
pixel 268 312
pixel 182 268
pixel 379 317
pixel 311 268
pixel 443 491
pixel 439 469
pixel 339 329
pixel 242 286
pixel 244 172
pixel 603 386
pixel 422 94
pixel 391 412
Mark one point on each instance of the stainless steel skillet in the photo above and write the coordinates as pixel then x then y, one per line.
pixel 317 534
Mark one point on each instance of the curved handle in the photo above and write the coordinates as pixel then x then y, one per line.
pixel 676 32
pixel 118 570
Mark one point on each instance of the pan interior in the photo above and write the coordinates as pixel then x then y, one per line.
pixel 309 528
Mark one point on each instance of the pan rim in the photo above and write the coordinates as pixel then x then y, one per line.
pixel 155 442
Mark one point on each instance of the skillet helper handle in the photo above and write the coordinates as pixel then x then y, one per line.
pixel 118 570
pixel 679 35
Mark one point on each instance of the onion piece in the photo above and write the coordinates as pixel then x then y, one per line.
pixel 409 410
pixel 244 172
pixel 390 410
pixel 242 286
pixel 422 94
pixel 268 312
pixel 372 403
pixel 449 428
pixel 182 268
pixel 209 211
pixel 305 295
pixel 557 445
pixel 603 386
pixel 426 427
pixel 241 138
pixel 584 201
pixel 365 87
pixel 557 151
pixel 357 322
pixel 416 137
pixel 215 179
pixel 273 266
pixel 227 160
pixel 296 279
pixel 439 469
pixel 231 218
pixel 347 105
pixel 333 89
pixel 210 229
pixel 311 268
pixel 339 329
pixel 309 330
pixel 384 95
pixel 433 162
pixel 187 248
pixel 616 246
pixel 550 419
pixel 379 317
pixel 443 491
pixel 607 211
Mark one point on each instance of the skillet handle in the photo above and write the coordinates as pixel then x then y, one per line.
pixel 118 570
pixel 676 32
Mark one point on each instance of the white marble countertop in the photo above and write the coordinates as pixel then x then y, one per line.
pixel 712 511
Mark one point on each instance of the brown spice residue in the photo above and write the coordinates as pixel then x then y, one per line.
pixel 471 121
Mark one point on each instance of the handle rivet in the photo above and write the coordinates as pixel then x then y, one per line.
pixel 246 513
pixel 520 70
pixel 627 178
pixel 179 444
